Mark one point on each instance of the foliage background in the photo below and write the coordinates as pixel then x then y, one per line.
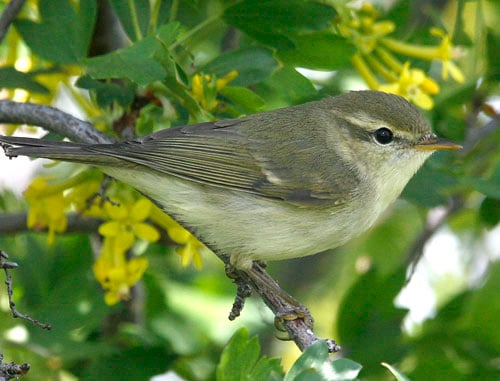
pixel 176 316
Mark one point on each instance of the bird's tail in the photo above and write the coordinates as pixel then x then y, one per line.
pixel 58 150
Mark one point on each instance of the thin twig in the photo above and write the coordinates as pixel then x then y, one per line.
pixel 476 134
pixel 432 225
pixel 8 16
pixel 53 120
pixel 6 266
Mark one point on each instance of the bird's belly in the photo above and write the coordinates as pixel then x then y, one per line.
pixel 247 227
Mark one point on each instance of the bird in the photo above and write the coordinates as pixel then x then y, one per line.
pixel 275 185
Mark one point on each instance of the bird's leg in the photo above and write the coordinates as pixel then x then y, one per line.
pixel 284 306
pixel 291 317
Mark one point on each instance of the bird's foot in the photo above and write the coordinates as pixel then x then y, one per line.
pixel 292 319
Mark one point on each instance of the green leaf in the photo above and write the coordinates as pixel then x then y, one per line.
pixel 63 35
pixel 137 63
pixel 168 33
pixel 489 211
pixel 10 78
pixel 275 17
pixel 252 64
pixel 482 305
pixel 142 12
pixel 315 364
pixel 166 36
pixel 369 324
pixel 426 187
pixel 240 361
pixel 286 87
pixel 493 44
pixel 346 369
pixel 243 98
pixel 136 364
pixel 490 187
pixel 146 61
pixel 319 51
pixel 107 93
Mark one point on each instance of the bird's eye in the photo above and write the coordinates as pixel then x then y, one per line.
pixel 384 136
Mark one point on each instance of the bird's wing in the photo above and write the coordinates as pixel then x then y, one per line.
pixel 223 154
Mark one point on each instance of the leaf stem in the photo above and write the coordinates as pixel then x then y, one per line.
pixel 155 10
pixel 173 10
pixel 135 20
pixel 198 28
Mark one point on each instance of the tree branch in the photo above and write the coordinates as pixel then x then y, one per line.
pixel 53 120
pixel 11 370
pixel 8 16
pixel 16 223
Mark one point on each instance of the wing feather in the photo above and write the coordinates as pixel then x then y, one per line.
pixel 243 155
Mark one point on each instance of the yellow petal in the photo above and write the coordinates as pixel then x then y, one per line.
pixel 116 212
pixel 141 210
pixel 417 76
pixel 222 82
pixel 32 218
pixel 197 87
pixel 383 28
pixel 392 88
pixel 197 261
pixel 146 232
pixel 135 269
pixel 423 101
pixel 179 234
pixel 111 298
pixel 100 271
pixel 124 241
pixel 185 254
pixel 455 72
pixel 109 229
pixel 429 86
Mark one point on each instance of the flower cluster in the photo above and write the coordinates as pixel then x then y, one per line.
pixel 189 247
pixel 377 62
pixel 125 220
pixel 205 87
pixel 47 206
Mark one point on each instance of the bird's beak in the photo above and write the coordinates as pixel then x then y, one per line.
pixel 433 143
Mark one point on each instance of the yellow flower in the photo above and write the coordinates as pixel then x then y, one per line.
pixel 205 87
pixel 115 273
pixel 85 198
pixel 414 85
pixel 190 249
pixel 47 205
pixel 224 81
pixel 127 222
pixel 445 53
pixel 363 29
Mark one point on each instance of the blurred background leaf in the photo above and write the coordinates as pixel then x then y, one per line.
pixel 133 67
